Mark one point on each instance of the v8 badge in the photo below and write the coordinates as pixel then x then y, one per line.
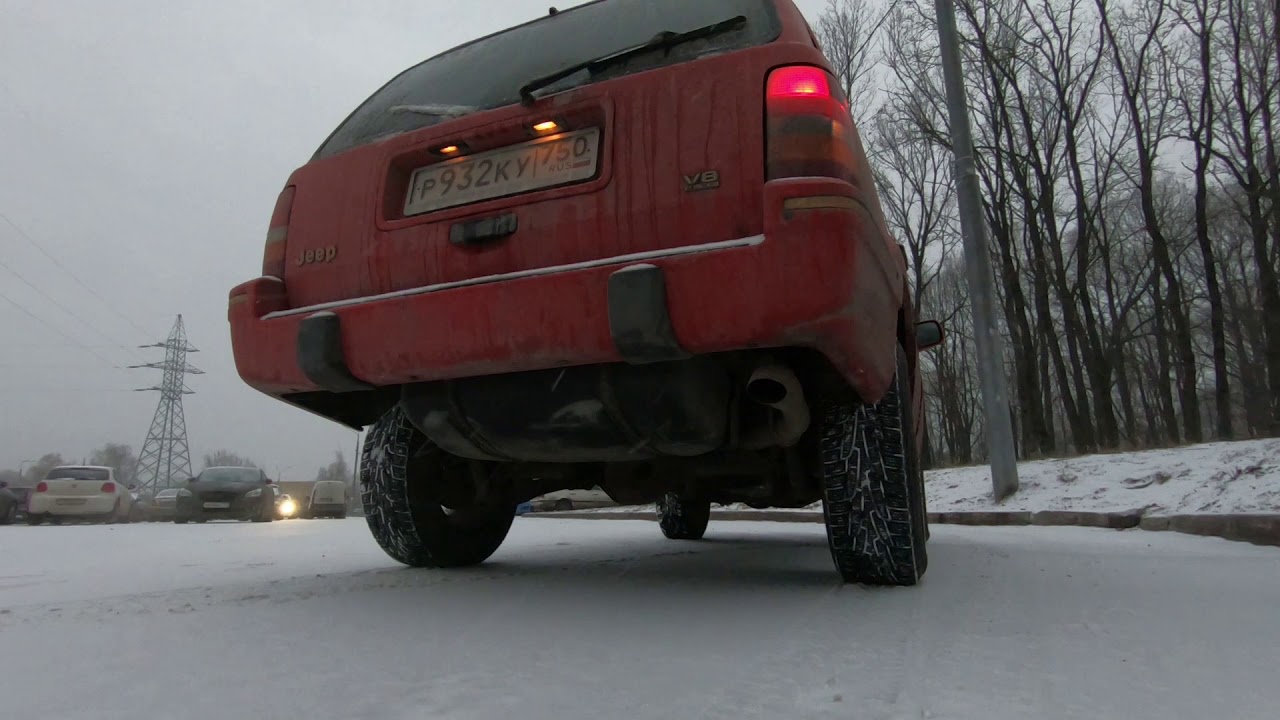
pixel 705 180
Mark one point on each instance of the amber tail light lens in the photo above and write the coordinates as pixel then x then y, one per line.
pixel 273 255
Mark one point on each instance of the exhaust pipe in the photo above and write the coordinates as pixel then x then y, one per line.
pixel 777 387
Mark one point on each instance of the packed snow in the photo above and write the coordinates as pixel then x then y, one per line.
pixel 578 619
pixel 1225 477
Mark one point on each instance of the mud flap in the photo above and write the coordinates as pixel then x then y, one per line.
pixel 639 321
pixel 320 355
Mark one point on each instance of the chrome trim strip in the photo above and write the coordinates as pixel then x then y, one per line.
pixel 552 270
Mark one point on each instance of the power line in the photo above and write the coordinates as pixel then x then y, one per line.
pixel 58 389
pixel 58 304
pixel 72 275
pixel 55 329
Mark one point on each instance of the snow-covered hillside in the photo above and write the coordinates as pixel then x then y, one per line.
pixel 1227 477
pixel 1232 477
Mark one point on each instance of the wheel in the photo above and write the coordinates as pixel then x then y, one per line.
pixel 180 521
pixel 34 519
pixel 55 520
pixel 266 514
pixel 563 505
pixel 873 487
pixel 403 479
pixel 201 520
pixel 682 517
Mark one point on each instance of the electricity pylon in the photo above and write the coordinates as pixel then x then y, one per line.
pixel 165 454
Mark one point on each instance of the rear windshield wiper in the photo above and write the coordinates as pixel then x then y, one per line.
pixel 662 41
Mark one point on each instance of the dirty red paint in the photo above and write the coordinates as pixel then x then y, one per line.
pixel 829 279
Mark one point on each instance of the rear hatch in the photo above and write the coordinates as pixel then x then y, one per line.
pixel 328 493
pixel 451 173
pixel 76 482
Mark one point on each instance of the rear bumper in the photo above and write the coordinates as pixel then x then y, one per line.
pixel 820 278
pixel 239 507
pixel 45 504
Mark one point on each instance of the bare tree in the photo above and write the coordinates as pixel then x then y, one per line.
pixel 336 470
pixel 1138 38
pixel 1246 153
pixel 847 33
pixel 913 181
pixel 47 462
pixel 115 455
pixel 226 458
pixel 1194 78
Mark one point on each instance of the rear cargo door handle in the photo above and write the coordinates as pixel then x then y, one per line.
pixel 479 232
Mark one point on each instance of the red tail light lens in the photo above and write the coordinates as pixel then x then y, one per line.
pixel 42 486
pixel 278 235
pixel 799 81
pixel 108 487
pixel 808 128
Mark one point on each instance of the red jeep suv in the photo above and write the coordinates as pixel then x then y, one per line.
pixel 635 244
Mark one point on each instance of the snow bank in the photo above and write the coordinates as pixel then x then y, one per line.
pixel 1229 477
pixel 1225 477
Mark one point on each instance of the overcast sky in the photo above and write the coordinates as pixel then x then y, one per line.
pixel 142 146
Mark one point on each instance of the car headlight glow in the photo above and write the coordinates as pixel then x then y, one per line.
pixel 254 493
pixel 288 507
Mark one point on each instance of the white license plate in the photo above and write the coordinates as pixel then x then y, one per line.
pixel 217 505
pixel 542 163
pixel 69 501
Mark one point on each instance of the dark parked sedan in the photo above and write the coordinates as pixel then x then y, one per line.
pixel 10 504
pixel 164 506
pixel 226 493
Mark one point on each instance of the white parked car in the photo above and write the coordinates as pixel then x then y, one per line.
pixel 81 492
pixel 563 500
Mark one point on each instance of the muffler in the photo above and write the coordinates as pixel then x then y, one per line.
pixel 777 387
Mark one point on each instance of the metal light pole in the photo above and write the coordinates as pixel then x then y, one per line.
pixel 977 257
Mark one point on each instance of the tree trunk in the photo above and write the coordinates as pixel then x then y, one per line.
pixel 1164 371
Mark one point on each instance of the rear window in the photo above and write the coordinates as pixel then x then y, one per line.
pixel 231 475
pixel 489 72
pixel 75 473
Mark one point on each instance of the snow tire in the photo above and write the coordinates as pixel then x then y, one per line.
pixel 682 517
pixel 873 488
pixel 397 470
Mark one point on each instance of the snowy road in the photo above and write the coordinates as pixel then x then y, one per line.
pixel 605 619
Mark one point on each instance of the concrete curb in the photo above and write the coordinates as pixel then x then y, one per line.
pixel 1256 529
pixel 985 517
pixel 1261 529
pixel 1110 520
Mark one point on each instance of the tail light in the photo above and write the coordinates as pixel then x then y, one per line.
pixel 42 486
pixel 108 487
pixel 808 128
pixel 273 254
